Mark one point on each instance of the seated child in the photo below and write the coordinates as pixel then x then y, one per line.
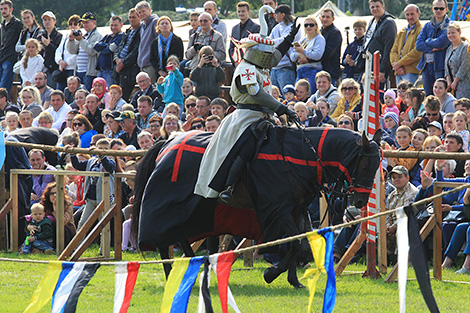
pixel 435 129
pixel 289 94
pixel 418 138
pixel 403 138
pixel 276 93
pixel 39 231
pixel 389 105
pixel 302 112
pixel 11 119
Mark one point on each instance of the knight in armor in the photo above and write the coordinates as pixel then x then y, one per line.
pixel 251 91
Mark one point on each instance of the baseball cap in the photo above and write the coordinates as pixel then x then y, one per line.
pixel 50 14
pixel 114 114
pixel 126 115
pixel 399 169
pixel 435 124
pixel 88 16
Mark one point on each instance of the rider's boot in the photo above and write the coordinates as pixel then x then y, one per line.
pixel 236 170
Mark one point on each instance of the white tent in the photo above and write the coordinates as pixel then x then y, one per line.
pixel 332 6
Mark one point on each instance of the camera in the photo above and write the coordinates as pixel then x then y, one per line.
pixel 210 57
pixel 77 33
pixel 197 46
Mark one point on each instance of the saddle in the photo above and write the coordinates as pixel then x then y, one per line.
pixel 259 129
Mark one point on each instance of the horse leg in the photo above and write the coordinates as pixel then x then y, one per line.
pixel 288 261
pixel 188 251
pixel 165 255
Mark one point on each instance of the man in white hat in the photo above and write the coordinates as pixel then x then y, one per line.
pixel 51 39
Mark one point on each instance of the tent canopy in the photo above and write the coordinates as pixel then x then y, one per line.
pixel 333 7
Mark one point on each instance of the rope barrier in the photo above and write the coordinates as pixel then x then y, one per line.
pixel 283 240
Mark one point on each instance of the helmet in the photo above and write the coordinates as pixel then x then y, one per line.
pixel 260 54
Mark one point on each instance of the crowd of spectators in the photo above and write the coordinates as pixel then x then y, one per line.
pixel 79 88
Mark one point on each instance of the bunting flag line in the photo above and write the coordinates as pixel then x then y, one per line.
pixel 180 282
pixel 63 283
pixel 419 261
pixel 126 276
pixel 321 243
pixel 403 249
pixel 221 264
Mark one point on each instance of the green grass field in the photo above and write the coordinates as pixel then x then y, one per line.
pixel 354 293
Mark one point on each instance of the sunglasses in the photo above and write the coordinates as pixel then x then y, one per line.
pixel 77 124
pixel 439 8
pixel 344 123
pixel 196 126
pixel 73 24
pixel 190 105
pixel 432 114
pixel 309 25
pixel 348 88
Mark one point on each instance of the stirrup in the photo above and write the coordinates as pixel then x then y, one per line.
pixel 226 196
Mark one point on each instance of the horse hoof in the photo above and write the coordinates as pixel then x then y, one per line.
pixel 298 285
pixel 270 274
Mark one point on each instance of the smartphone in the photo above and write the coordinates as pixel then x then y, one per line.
pixel 169 67
pixel 296 43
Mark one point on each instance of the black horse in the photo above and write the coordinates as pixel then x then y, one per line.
pixel 291 167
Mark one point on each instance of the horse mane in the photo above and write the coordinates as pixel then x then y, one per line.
pixel 144 171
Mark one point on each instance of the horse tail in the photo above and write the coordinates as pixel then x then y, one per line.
pixel 144 171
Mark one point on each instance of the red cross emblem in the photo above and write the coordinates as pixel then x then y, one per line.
pixel 267 82
pixel 181 147
pixel 248 74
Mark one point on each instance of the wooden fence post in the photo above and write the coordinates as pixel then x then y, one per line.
pixel 14 213
pixel 106 233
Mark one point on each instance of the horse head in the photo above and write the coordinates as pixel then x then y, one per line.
pixel 363 174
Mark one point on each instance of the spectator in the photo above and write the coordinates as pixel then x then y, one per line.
pixel 403 138
pixel 73 84
pixel 31 29
pixel 435 129
pixel 345 122
pixel 171 123
pixel 206 36
pixel 418 138
pixel 431 110
pixel 11 118
pixel 212 123
pixel 219 108
pixel 83 47
pixel 5 105
pixel 26 119
pixel 284 72
pixel 324 107
pixel 155 124
pixel 100 89
pixel 289 94
pixel 32 62
pixel 194 22
pixel 446 99
pixel 404 56
pixel 115 101
pixel 129 126
pixel 241 30
pixel 380 36
pixel 191 111
pixel 148 32
pixel 350 103
pixel 302 113
pixel 414 98
pixel 308 53
pixel 106 48
pixel 31 101
pixel 457 65
pixel 352 56
pixel 208 75
pixel 402 88
pixel 165 45
pixel 433 42
pixel 66 61
pixel 430 144
pixel 58 110
pixel 331 57
pixel 389 103
pixel 85 130
pixel 11 29
pixel 460 122
pixel 463 104
pixel 147 89
pixel 403 195
pixel 268 17
pixel 80 100
pixel 145 140
pixel 145 112
pixel 172 108
pixel 170 85
pixel 203 107
pixel 187 88
pixel 68 128
pixel 93 185
pixel 38 162
pixel 45 120
pixel 40 82
pixel 126 56
pixel 39 232
pixel 325 90
pixel 93 113
pixel 217 24
pixel 50 39
pixel 454 143
pixel 114 126
pixel 302 90
pixel 49 201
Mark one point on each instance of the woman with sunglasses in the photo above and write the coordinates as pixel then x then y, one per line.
pixel 445 98
pixel 84 129
pixel 308 52
pixel 350 103
pixel 190 113
pixel 63 57
pixel 49 201
pixel 346 122
pixel 457 64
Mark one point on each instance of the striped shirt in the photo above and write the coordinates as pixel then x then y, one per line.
pixel 125 49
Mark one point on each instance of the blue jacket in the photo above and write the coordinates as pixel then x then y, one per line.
pixel 433 37
pixel 353 49
pixel 105 60
pixel 171 88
